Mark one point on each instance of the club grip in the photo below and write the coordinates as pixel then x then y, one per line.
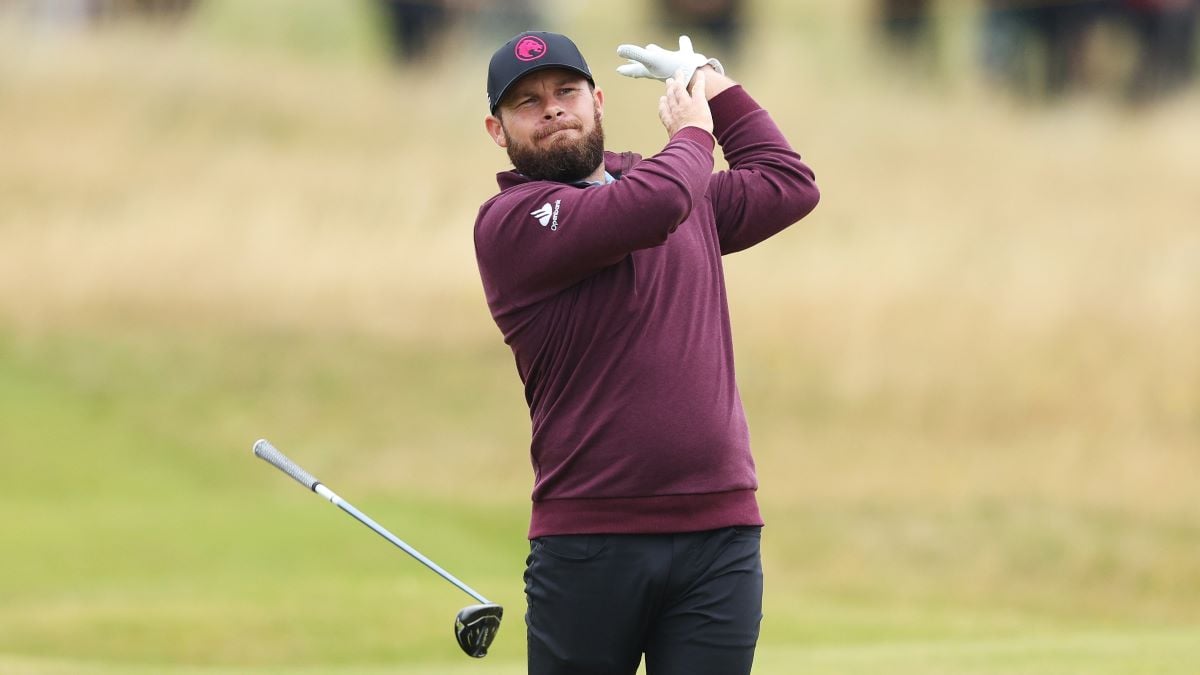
pixel 267 452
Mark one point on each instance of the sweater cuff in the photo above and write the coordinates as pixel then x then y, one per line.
pixel 729 106
pixel 696 135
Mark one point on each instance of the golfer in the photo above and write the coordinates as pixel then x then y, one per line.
pixel 603 272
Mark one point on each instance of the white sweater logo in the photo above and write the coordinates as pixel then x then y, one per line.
pixel 548 215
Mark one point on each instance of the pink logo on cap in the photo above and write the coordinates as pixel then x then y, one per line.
pixel 530 48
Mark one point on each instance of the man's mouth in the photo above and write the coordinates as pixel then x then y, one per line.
pixel 554 132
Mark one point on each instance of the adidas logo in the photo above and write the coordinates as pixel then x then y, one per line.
pixel 543 214
pixel 548 215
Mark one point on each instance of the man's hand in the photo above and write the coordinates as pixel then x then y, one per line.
pixel 678 108
pixel 655 62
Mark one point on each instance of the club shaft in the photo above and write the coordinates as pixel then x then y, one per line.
pixel 270 454
pixel 397 541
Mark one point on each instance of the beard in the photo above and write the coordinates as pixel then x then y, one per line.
pixel 562 161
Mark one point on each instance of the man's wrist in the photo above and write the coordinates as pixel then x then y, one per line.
pixel 715 81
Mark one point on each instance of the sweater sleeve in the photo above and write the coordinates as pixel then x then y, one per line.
pixel 536 239
pixel 767 187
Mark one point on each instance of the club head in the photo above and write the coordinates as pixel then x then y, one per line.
pixel 475 627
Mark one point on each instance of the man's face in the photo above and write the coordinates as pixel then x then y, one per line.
pixel 549 122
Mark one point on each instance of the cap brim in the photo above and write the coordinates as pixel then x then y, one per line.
pixel 541 66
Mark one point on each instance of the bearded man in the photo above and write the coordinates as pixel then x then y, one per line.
pixel 603 273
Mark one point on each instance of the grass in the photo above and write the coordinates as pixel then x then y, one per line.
pixel 970 375
pixel 1095 654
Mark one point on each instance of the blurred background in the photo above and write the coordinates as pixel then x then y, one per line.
pixel 972 375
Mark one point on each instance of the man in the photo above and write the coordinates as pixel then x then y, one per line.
pixel 603 272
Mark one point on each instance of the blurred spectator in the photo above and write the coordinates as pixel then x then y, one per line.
pixel 72 14
pixel 413 26
pixel 498 20
pixel 1166 37
pixel 1016 30
pixel 719 20
pixel 1055 29
pixel 63 14
pixel 908 30
pixel 905 23
pixel 162 9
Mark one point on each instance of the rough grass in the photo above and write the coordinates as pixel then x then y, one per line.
pixel 971 375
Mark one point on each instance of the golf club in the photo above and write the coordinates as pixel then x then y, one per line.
pixel 475 626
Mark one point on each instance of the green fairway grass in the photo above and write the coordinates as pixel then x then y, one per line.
pixel 150 538
pixel 971 376
pixel 1165 653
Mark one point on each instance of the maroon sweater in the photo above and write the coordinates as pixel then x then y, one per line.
pixel 613 301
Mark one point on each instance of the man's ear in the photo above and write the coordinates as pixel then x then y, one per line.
pixel 495 129
pixel 598 97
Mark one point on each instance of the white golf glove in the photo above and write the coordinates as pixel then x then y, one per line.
pixel 655 62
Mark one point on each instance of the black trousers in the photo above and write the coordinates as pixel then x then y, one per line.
pixel 690 602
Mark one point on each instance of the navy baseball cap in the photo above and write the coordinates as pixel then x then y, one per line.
pixel 526 53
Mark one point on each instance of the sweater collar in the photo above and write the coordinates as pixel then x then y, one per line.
pixel 615 165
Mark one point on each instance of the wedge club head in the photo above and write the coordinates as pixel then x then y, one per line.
pixel 475 627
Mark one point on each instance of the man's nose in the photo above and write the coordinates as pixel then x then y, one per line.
pixel 552 110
